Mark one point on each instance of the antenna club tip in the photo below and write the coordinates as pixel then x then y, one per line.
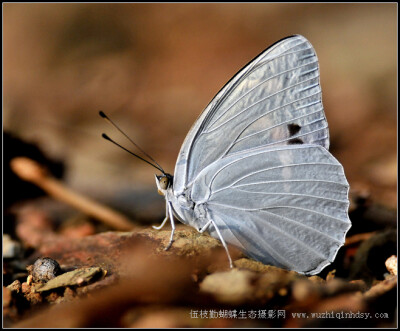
pixel 101 113
pixel 105 136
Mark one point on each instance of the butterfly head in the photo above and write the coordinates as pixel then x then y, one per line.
pixel 164 182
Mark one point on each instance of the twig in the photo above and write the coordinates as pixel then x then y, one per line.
pixel 358 237
pixel 31 171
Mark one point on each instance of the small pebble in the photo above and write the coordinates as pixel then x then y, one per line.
pixel 44 269
pixel 391 265
pixel 11 249
pixel 15 286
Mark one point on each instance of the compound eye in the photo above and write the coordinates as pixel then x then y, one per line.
pixel 164 183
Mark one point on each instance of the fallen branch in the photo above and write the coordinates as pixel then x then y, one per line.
pixel 31 171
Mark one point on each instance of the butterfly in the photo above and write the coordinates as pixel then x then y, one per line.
pixel 255 172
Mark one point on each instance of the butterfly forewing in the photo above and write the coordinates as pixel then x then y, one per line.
pixel 274 100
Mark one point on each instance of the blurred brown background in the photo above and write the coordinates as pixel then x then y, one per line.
pixel 154 67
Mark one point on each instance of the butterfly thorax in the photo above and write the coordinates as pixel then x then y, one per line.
pixel 182 205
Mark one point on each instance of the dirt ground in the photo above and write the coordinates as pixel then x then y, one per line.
pixel 153 68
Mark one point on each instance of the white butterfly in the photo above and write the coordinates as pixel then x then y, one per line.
pixel 254 170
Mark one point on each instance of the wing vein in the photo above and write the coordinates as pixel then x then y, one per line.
pixel 278 181
pixel 278 257
pixel 297 136
pixel 288 121
pixel 301 243
pixel 276 125
pixel 294 194
pixel 262 82
pixel 282 206
pixel 261 100
pixel 266 169
pixel 255 67
pixel 303 225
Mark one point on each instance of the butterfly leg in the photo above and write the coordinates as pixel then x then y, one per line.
pixel 165 219
pixel 220 238
pixel 171 217
pixel 204 227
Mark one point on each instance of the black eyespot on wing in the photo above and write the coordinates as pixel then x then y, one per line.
pixel 295 141
pixel 293 128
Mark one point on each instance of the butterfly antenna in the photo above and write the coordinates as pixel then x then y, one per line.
pixel 127 150
pixel 103 115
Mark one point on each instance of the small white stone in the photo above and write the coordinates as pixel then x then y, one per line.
pixel 391 265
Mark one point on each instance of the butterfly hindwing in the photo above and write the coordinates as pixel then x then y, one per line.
pixel 274 202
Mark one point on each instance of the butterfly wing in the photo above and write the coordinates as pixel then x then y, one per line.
pixel 274 100
pixel 282 205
